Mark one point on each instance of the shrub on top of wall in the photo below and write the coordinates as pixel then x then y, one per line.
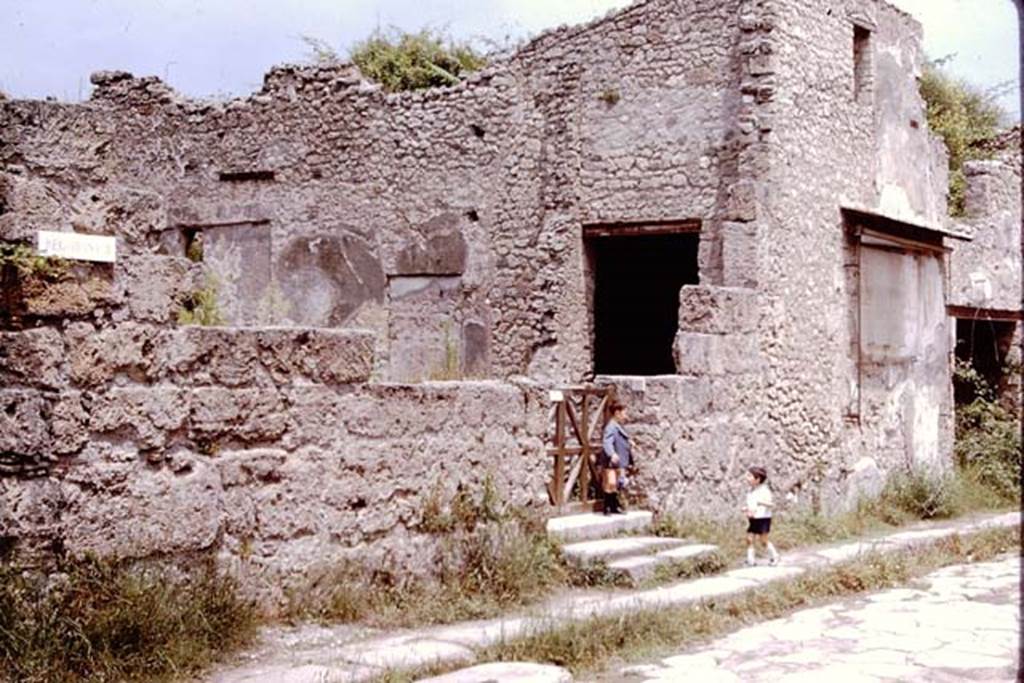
pixel 414 61
pixel 963 115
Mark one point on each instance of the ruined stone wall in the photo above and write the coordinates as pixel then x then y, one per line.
pixel 839 121
pixel 447 221
pixel 448 225
pixel 264 447
pixel 985 273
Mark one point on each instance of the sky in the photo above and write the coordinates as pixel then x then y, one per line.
pixel 222 48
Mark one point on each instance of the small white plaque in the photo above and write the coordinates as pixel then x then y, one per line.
pixel 556 396
pixel 74 245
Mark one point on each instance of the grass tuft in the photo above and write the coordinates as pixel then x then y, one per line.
pixel 588 645
pixel 101 620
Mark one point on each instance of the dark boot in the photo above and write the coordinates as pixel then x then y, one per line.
pixel 616 508
pixel 606 503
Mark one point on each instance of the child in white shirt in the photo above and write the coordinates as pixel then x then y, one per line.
pixel 759 513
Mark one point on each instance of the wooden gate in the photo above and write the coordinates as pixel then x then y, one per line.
pixel 579 414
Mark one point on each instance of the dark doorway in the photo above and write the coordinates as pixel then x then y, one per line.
pixel 982 344
pixel 636 281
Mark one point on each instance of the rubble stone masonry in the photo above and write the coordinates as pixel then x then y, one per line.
pixel 366 245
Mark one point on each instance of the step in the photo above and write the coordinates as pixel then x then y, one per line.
pixel 639 568
pixel 607 549
pixel 595 525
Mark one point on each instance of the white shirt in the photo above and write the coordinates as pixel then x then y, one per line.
pixel 759 501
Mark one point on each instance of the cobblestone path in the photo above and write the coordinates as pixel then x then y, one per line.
pixel 960 623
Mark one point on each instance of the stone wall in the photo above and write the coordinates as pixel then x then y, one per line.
pixel 371 237
pixel 324 201
pixel 985 272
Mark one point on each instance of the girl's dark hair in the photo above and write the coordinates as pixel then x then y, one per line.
pixel 760 473
pixel 615 407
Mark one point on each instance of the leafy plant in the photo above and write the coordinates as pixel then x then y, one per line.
pixel 201 307
pixel 28 262
pixel 988 437
pixel 962 115
pixel 414 61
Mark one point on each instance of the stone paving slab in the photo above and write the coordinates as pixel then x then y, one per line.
pixel 947 636
pixel 505 672
pixel 360 659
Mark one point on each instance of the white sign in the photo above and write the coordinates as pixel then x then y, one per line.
pixel 74 245
pixel 556 396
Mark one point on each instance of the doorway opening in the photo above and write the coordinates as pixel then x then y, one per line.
pixel 636 277
pixel 983 345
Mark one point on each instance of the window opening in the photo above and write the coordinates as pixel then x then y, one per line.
pixel 861 63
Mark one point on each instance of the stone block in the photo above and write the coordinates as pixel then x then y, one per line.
pixel 155 286
pixel 155 512
pixel 244 414
pixel 32 357
pixel 694 353
pixel 98 356
pixel 83 291
pixel 741 201
pixel 717 310
pixel 24 431
pixel 740 264
pixel 146 415
pixel 322 356
pixel 69 423
pixel 200 356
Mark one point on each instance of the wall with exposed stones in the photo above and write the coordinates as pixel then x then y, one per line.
pixel 986 272
pixel 368 238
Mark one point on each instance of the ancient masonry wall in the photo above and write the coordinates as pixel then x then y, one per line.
pixel 986 272
pixel 839 119
pixel 438 234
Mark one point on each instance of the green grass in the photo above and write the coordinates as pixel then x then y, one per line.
pixel 907 498
pixel 588 645
pixel 480 572
pixel 103 621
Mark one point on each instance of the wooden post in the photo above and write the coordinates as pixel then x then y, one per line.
pixel 584 479
pixel 559 453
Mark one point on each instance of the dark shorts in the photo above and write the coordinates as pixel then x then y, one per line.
pixel 759 525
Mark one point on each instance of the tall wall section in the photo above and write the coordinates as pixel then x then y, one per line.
pixel 850 143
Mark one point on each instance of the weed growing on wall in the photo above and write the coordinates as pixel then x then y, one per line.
pixel 962 115
pixel 27 262
pixel 414 61
pixel 201 307
pixel 101 621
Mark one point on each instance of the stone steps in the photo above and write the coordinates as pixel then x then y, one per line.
pixel 608 549
pixel 592 539
pixel 592 525
pixel 640 568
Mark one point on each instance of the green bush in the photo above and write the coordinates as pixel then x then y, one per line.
pixel 101 621
pixel 25 259
pixel 923 494
pixel 414 61
pixel 962 115
pixel 988 438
